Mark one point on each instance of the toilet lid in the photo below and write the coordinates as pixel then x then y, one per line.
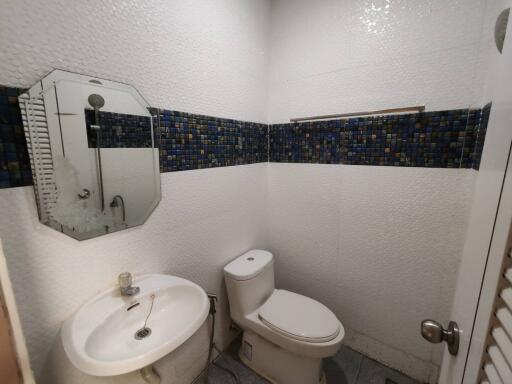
pixel 299 317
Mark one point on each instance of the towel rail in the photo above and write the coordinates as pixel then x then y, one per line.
pixel 417 108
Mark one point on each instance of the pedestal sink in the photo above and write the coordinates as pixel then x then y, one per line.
pixel 107 337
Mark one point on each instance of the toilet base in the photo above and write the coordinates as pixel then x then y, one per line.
pixel 277 365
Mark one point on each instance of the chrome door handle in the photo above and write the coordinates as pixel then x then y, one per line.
pixel 434 332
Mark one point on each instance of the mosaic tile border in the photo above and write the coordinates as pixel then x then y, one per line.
pixel 15 168
pixel 440 139
pixel 189 141
pixel 118 130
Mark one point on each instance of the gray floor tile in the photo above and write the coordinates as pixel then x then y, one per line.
pixel 346 367
pixel 372 372
pixel 343 367
pixel 229 359
pixel 215 376
pixel 246 375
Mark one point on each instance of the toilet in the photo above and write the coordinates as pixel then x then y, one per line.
pixel 285 335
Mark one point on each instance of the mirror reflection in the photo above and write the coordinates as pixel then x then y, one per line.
pixel 93 154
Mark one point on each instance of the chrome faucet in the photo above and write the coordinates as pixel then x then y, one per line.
pixel 125 284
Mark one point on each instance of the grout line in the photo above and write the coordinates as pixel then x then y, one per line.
pixel 268 143
pixel 478 138
pixel 464 141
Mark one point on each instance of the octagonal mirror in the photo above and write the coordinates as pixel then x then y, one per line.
pixel 93 154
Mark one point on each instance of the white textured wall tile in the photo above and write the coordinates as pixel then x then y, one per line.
pixel 331 57
pixel 490 57
pixel 379 245
pixel 200 56
pixel 205 219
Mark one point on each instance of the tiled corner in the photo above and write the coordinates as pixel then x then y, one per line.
pixel 14 160
pixel 480 136
pixel 343 367
pixel 351 367
pixel 371 372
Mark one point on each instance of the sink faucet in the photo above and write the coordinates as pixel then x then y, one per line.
pixel 125 284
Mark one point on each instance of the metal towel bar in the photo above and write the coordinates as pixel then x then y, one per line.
pixel 418 108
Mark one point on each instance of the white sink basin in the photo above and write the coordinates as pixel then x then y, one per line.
pixel 99 338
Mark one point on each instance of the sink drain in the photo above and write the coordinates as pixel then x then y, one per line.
pixel 142 333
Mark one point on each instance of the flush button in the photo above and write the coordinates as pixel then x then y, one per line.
pixel 250 258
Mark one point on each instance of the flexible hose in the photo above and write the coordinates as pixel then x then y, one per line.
pixel 212 346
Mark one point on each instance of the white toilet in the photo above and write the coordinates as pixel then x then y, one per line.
pixel 286 335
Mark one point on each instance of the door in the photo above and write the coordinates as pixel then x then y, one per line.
pixel 490 353
pixel 14 361
pixel 9 371
pixel 487 228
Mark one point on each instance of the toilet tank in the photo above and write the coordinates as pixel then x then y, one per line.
pixel 249 282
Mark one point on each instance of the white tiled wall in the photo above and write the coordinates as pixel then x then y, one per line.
pixel 490 57
pixel 378 245
pixel 199 56
pixel 331 56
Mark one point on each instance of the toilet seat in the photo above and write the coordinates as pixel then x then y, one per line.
pixel 299 317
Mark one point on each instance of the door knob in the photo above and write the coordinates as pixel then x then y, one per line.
pixel 434 332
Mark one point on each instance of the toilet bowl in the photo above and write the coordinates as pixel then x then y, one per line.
pixel 285 335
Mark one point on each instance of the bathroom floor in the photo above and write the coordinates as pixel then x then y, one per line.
pixel 346 367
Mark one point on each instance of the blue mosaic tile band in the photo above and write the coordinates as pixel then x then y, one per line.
pixel 15 168
pixel 442 139
pixel 446 139
pixel 118 130
pixel 189 141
